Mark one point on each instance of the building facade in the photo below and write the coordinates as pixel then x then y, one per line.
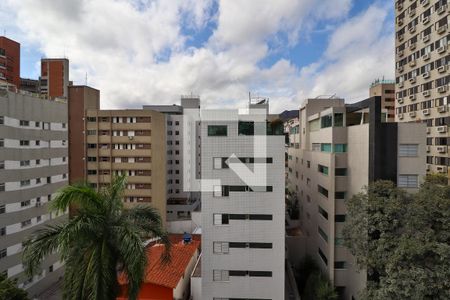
pixel 422 73
pixel 10 61
pixel 54 79
pixel 242 216
pixel 336 151
pixel 181 202
pixel 386 90
pixel 33 166
pixel 130 142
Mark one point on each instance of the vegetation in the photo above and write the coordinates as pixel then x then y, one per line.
pixel 292 207
pixel 312 283
pixel 101 240
pixel 9 289
pixel 402 239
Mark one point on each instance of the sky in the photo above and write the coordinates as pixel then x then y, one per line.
pixel 139 52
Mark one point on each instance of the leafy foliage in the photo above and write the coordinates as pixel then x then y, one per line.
pixel 402 240
pixel 10 291
pixel 100 240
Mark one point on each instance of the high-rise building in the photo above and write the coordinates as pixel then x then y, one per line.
pixel 29 85
pixel 33 166
pixel 242 211
pixel 386 90
pixel 54 79
pixel 336 150
pixel 130 142
pixel 422 73
pixel 10 61
pixel 181 202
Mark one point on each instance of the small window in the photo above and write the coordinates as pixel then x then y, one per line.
pixel 339 265
pixel 24 143
pixel 408 181
pixel 339 218
pixel 221 219
pixel 24 123
pixel 221 275
pixel 2 164
pixel 339 195
pixel 340 171
pixel 217 130
pixel 325 147
pixel 2 120
pixel 408 150
pixel 323 257
pixel 323 212
pixel 322 234
pixel 221 247
pixel 246 128
pixel 322 190
pixel 322 169
pixel 340 148
pixel 326 121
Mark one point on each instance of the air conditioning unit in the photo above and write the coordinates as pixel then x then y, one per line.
pixel 442 89
pixel 441 29
pixel 426 38
pixel 399 6
pixel 428 167
pixel 442 149
pixel 38 204
pixel 400 22
pixel 412 46
pixel 401 37
pixel 400 116
pixel 441 169
pixel 412 97
pixel 426 75
pixel 426 112
pixel 441 129
pixel 442 109
pixel 425 2
pixel 442 69
pixel 400 84
pixel 412 12
pixel 426 56
pixel 400 69
pixel 400 53
pixel 412 80
pixel 412 29
pixel 440 10
pixel 441 49
pixel 130 137
pixel 400 100
pixel 428 130
pixel 412 114
pixel 428 148
pixel 426 93
pixel 412 63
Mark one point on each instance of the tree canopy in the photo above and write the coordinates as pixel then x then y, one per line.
pixel 402 239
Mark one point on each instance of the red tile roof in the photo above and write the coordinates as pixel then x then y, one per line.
pixel 167 274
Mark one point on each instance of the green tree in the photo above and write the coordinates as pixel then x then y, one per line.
pixel 9 289
pixel 319 287
pixel 402 240
pixel 101 240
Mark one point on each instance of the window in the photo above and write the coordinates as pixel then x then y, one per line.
pixel 24 123
pixel 322 234
pixel 221 247
pixel 3 253
pixel 221 275
pixel 2 120
pixel 339 218
pixel 221 219
pixel 322 190
pixel 339 264
pixel 322 169
pixel 2 164
pixel 326 121
pixel 92 158
pixel 91 132
pixel 2 231
pixel 217 130
pixel 2 187
pixel 315 147
pixel 24 143
pixel 338 120
pixel 408 150
pixel 408 181
pixel 323 212
pixel 339 195
pixel 2 208
pixel 323 257
pixel 340 171
pixel 25 203
pixel 340 148
pixel 25 182
pixel 37 124
pixel 37 142
pixel 91 119
pixel 2 143
pixel 246 128
pixel 325 147
pixel 26 223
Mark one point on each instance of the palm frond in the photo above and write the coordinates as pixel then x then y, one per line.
pixel 80 195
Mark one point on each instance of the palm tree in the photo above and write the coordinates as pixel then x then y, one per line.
pixel 101 240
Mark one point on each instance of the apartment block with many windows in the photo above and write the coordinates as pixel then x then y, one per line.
pixel 423 73
pixel 9 61
pixel 130 142
pixel 33 166
pixel 242 215
pixel 337 149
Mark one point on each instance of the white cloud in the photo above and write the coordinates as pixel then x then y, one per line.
pixel 135 51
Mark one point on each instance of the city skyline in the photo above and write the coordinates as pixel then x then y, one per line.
pixel 290 52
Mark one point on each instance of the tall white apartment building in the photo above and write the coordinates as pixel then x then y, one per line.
pixel 242 173
pixel 181 202
pixel 336 150
pixel 33 166
pixel 423 73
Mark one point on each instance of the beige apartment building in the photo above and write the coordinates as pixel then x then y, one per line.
pixel 333 153
pixel 422 73
pixel 130 142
